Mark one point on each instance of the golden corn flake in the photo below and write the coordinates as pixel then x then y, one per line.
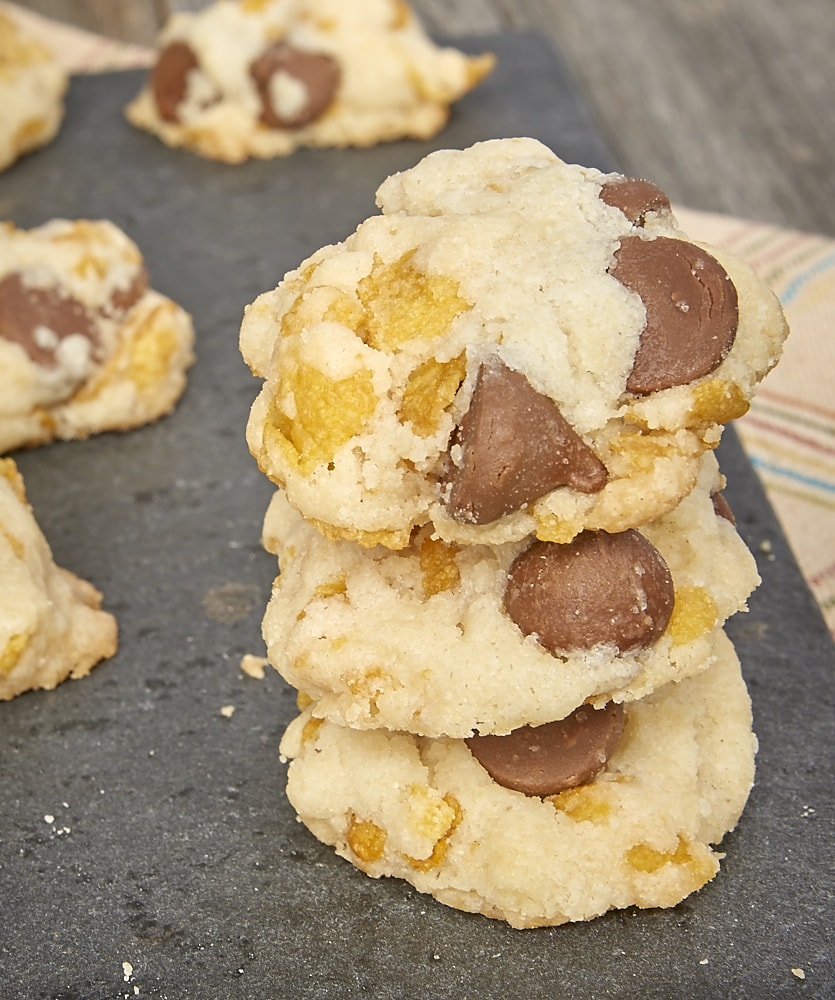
pixel 366 839
pixel 403 303
pixel 329 412
pixel 438 567
pixel 694 614
pixel 430 389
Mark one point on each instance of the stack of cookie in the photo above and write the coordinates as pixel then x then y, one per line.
pixel 505 559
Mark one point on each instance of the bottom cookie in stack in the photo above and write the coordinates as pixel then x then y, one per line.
pixel 639 833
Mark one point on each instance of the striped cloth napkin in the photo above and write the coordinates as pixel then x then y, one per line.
pixel 789 432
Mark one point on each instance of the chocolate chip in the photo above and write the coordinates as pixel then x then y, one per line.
pixel 722 507
pixel 40 318
pixel 317 73
pixel 123 299
pixel 545 760
pixel 599 588
pixel 516 446
pixel 635 197
pixel 169 78
pixel 691 306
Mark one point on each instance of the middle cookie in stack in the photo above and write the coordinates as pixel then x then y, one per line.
pixel 502 539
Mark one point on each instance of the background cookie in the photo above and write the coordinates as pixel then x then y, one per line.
pixel 475 356
pixel 637 835
pixel 259 78
pixel 51 623
pixel 425 639
pixel 85 344
pixel 32 87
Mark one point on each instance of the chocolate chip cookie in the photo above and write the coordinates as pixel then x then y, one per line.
pixel 627 818
pixel 51 623
pixel 32 88
pixel 444 640
pixel 86 345
pixel 260 78
pixel 515 346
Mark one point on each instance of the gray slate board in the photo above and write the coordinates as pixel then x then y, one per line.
pixel 172 846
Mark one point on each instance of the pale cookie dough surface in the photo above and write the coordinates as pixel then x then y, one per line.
pixel 639 834
pixel 51 623
pixel 382 78
pixel 85 344
pixel 499 254
pixel 32 87
pixel 420 639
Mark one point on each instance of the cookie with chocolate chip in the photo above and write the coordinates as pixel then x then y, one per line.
pixel 260 78
pixel 527 832
pixel 443 639
pixel 86 345
pixel 52 625
pixel 32 88
pixel 515 346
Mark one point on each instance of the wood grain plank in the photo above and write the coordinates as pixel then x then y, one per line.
pixel 727 104
pixel 135 21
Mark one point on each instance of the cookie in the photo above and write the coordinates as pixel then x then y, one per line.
pixel 51 623
pixel 514 346
pixel 32 88
pixel 638 833
pixel 85 344
pixel 261 78
pixel 445 640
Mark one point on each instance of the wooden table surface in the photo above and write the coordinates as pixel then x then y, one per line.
pixel 729 105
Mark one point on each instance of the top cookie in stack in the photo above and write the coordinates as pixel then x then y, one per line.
pixel 515 346
pixel 506 562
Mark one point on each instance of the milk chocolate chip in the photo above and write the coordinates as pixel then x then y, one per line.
pixel 313 79
pixel 123 299
pixel 40 318
pixel 516 446
pixel 692 310
pixel 545 760
pixel 635 197
pixel 722 507
pixel 169 78
pixel 599 588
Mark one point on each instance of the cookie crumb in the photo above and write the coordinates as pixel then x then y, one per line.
pixel 49 818
pixel 227 711
pixel 704 961
pixel 254 666
pixel 127 971
pixel 798 973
